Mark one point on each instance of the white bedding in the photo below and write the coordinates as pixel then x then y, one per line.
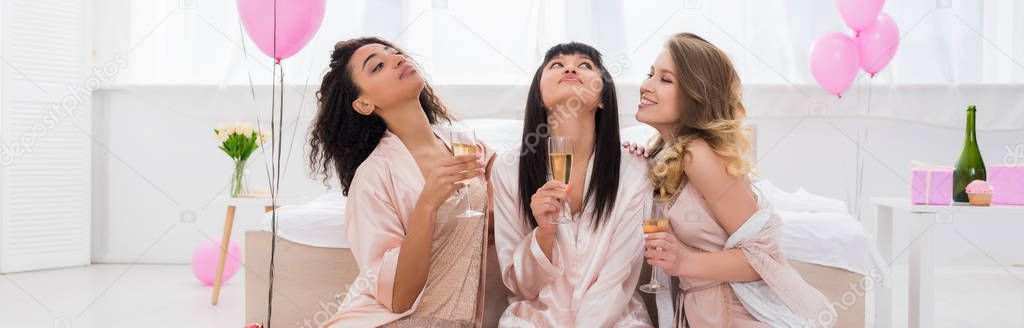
pixel 319 223
pixel 820 230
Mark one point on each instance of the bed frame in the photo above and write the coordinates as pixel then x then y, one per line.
pixel 310 283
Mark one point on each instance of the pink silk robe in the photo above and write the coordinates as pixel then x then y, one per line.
pixel 715 304
pixel 591 280
pixel 380 203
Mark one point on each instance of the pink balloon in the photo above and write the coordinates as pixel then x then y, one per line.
pixel 859 14
pixel 878 44
pixel 297 22
pixel 834 62
pixel 204 261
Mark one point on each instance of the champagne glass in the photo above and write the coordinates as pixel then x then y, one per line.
pixel 657 222
pixel 463 142
pixel 560 168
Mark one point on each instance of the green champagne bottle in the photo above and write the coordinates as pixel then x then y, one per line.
pixel 969 167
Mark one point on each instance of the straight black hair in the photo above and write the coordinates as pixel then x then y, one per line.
pixel 533 157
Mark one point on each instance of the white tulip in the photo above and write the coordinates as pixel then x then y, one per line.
pixel 229 128
pixel 245 129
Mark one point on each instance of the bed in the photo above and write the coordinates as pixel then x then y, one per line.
pixel 314 267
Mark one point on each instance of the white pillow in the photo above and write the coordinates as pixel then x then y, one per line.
pixel 319 223
pixel 800 200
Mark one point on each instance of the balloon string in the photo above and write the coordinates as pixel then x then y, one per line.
pixel 295 123
pixel 862 137
pixel 273 198
pixel 277 119
pixel 267 163
pixel 252 92
pixel 860 158
pixel 275 150
pixel 245 61
pixel 280 128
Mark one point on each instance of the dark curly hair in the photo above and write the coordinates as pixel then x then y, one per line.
pixel 340 138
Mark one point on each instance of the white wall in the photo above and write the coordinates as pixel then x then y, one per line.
pixel 159 166
pixel 158 161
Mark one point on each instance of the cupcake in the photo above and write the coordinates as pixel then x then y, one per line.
pixel 980 193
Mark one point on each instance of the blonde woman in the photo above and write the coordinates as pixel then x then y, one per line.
pixel 723 245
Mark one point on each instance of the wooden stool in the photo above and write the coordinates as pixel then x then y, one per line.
pixel 229 220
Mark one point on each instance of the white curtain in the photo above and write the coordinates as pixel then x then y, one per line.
pixel 495 42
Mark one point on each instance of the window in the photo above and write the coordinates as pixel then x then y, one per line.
pixel 500 42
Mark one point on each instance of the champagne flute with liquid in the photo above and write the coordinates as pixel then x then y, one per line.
pixel 657 222
pixel 560 168
pixel 463 142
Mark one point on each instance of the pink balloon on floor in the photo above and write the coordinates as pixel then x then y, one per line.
pixel 834 62
pixel 296 22
pixel 859 14
pixel 878 44
pixel 204 261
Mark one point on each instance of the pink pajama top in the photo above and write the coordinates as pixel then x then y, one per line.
pixel 381 199
pixel 592 277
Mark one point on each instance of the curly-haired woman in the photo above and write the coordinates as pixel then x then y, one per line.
pixel 723 243
pixel 375 131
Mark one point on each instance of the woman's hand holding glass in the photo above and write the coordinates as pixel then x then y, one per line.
pixel 666 252
pixel 444 181
pixel 546 204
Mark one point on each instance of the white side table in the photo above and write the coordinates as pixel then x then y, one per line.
pixel 229 220
pixel 922 267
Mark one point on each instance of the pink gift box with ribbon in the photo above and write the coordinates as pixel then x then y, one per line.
pixel 1008 182
pixel 931 185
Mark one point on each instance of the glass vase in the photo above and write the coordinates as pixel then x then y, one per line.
pixel 239 185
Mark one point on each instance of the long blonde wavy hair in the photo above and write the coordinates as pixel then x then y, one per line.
pixel 711 110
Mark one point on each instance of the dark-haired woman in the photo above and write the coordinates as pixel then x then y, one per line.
pixel 580 274
pixel 420 265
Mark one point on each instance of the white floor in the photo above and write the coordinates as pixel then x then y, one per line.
pixel 169 296
pixel 109 295
pixel 977 296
